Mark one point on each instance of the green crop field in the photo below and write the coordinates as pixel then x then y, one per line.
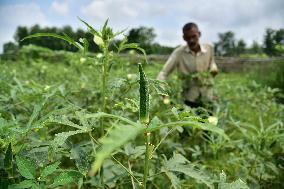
pixel 82 120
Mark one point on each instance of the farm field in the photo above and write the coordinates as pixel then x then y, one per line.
pixel 51 129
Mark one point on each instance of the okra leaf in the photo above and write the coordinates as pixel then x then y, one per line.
pixel 179 163
pixel 90 28
pixel 64 37
pixel 63 179
pixel 160 87
pixel 191 123
pixel 23 184
pixel 135 46
pixel 26 167
pixel 81 159
pixel 8 157
pixel 49 169
pixel 117 137
pixel 60 138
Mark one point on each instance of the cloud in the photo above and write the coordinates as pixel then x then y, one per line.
pixel 248 19
pixel 60 7
pixel 12 16
pixel 22 14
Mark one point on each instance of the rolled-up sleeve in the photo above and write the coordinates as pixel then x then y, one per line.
pixel 168 67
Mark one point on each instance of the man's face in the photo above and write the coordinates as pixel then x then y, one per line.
pixel 192 37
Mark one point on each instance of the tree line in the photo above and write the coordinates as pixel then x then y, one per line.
pixel 227 44
pixel 273 44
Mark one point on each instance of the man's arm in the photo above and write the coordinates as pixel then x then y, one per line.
pixel 168 67
pixel 212 65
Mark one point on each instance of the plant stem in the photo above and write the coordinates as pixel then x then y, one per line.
pixel 146 161
pixel 103 91
pixel 132 180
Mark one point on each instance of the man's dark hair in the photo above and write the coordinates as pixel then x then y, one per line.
pixel 188 26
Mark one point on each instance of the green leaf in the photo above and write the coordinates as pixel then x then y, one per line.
pixel 176 183
pixel 90 28
pixel 178 163
pixel 80 182
pixel 102 114
pixel 160 87
pixel 23 184
pixel 124 46
pixel 238 184
pixel 49 169
pixel 81 159
pixel 36 111
pixel 105 26
pixel 35 186
pixel 63 120
pixel 63 179
pixel 60 138
pixel 85 43
pixel 65 37
pixel 117 137
pixel 26 167
pixel 144 97
pixel 8 157
pixel 192 123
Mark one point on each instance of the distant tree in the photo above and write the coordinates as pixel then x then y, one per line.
pixel 274 42
pixel 9 47
pixel 240 47
pixel 226 44
pixel 255 48
pixel 268 42
pixel 144 36
pixel 20 33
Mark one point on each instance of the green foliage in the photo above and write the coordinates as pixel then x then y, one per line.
pixel 23 184
pixel 26 167
pixel 114 141
pixel 49 169
pixel 274 42
pixel 8 157
pixel 238 184
pixel 271 75
pixel 65 178
pixel 179 164
pixel 64 37
pixel 52 118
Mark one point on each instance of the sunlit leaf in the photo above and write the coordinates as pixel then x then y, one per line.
pixel 65 37
pixel 117 137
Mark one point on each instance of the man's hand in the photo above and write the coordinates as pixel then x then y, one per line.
pixel 214 72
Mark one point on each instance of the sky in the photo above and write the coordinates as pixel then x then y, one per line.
pixel 248 19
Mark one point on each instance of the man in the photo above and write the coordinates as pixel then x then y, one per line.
pixel 196 66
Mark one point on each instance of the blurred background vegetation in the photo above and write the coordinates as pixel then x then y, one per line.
pixel 227 44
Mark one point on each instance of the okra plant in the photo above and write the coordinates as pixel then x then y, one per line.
pixel 120 129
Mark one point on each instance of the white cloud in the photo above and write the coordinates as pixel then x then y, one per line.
pixel 60 7
pixel 22 14
pixel 248 19
pixel 12 16
pixel 117 11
